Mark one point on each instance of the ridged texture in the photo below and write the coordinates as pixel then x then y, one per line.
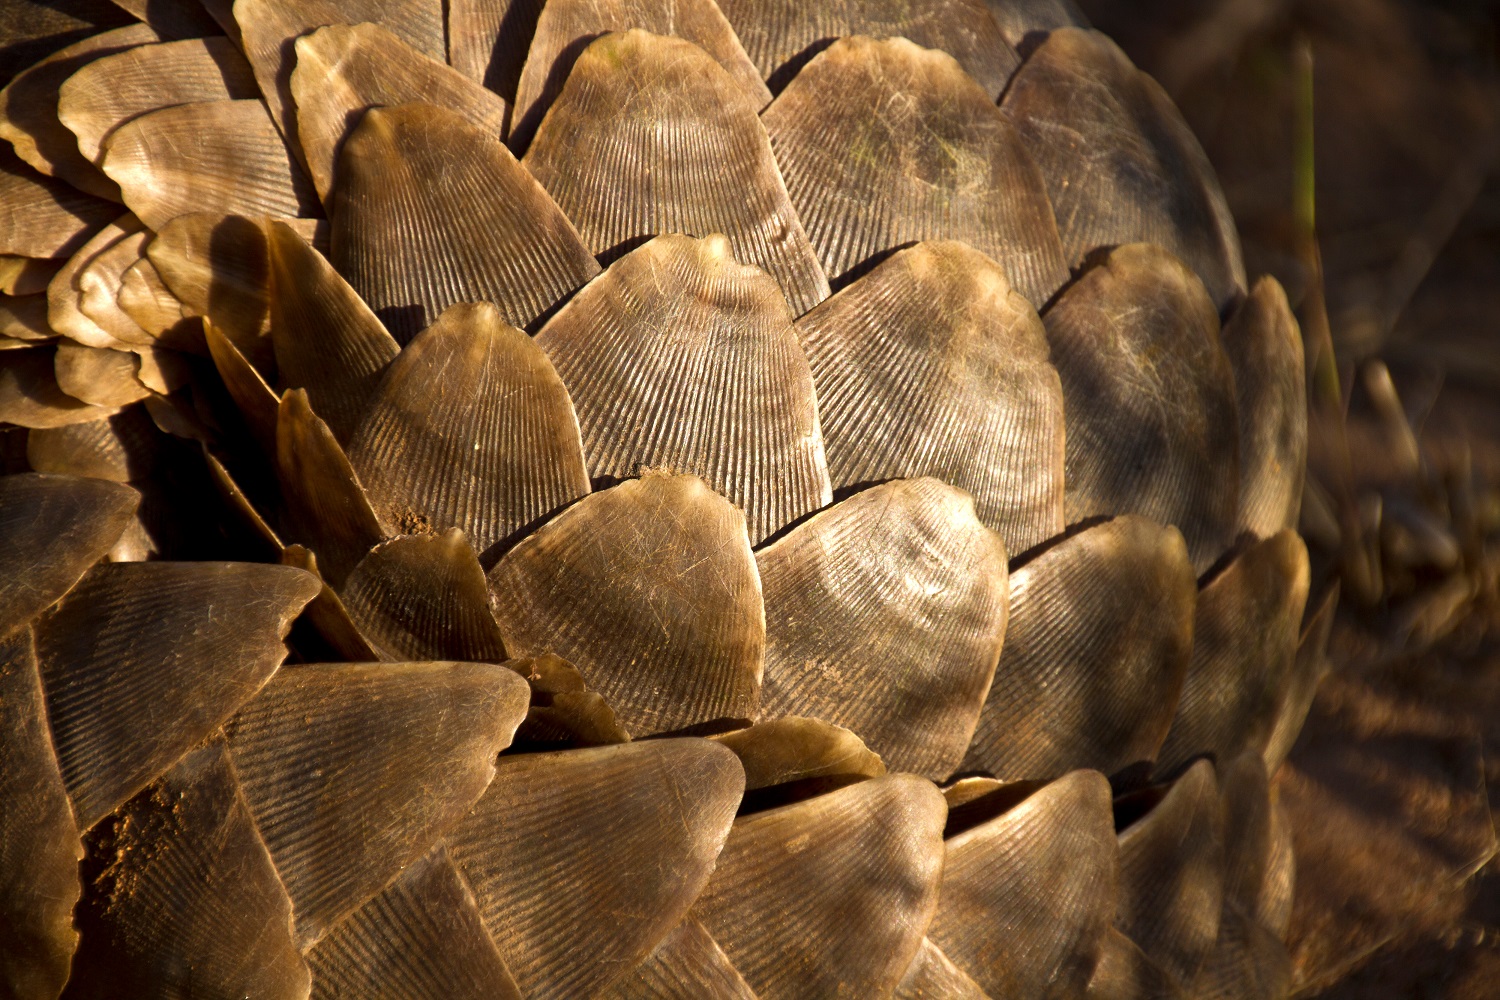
pixel 1120 164
pixel 492 452
pixel 1247 963
pixel 424 597
pixel 886 614
pixel 419 939
pixel 52 529
pixel 930 365
pixel 829 897
pixel 218 156
pixel 562 707
pixel 1264 345
pixel 145 298
pixel 682 152
pixel 144 660
pixel 121 449
pixel 1027 897
pixel 44 217
pixel 487 40
pixel 780 35
pixel 430 211
pixel 933 976
pixel 1150 412
pixel 883 143
pixel 326 339
pixel 1172 875
pixel 39 847
pixel 108 92
pixel 1100 634
pixel 1301 683
pixel 269 29
pixel 184 901
pixel 678 358
pixel 797 749
pixel 565 27
pixel 675 630
pixel 343 70
pixel 583 861
pixel 1244 651
pixel 325 504
pixel 687 965
pixel 29 396
pixel 1125 973
pixel 353 771
pixel 28 110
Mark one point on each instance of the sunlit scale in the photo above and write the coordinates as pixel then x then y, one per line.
pixel 636 500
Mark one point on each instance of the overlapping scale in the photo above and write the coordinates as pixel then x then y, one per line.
pixel 26 275
pixel 679 358
pixel 1027 897
pixel 326 612
pixel 39 846
pixel 343 70
pixel 1172 875
pixel 150 304
pixel 142 661
pixel 1264 345
pixel 886 614
pixel 1248 963
pixel 424 597
pixel 122 449
pixel 108 92
pixel 488 39
pixel 29 396
pixel 1099 639
pixel 215 156
pixel 563 709
pixel 52 529
pixel 584 860
pixel 829 896
pixel 931 365
pixel 1120 164
pixel 172 20
pixel 420 938
pixel 24 318
pixel 566 27
pixel 683 153
pixel 781 35
pixel 933 976
pixel 883 143
pixel 99 284
pixel 184 900
pixel 326 339
pixel 1244 652
pixel 430 211
pixel 1150 412
pixel 794 748
pixel 269 29
pixel 326 505
pixel 1019 19
pixel 674 634
pixel 1301 683
pixel 219 266
pixel 1125 973
pixel 98 375
pixel 65 291
pixel 687 965
pixel 496 450
pixel 28 110
pixel 353 771
pixel 43 216
pixel 258 403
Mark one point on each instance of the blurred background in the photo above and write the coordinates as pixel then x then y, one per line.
pixel 1358 143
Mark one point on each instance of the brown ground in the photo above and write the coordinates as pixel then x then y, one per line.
pixel 1387 789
